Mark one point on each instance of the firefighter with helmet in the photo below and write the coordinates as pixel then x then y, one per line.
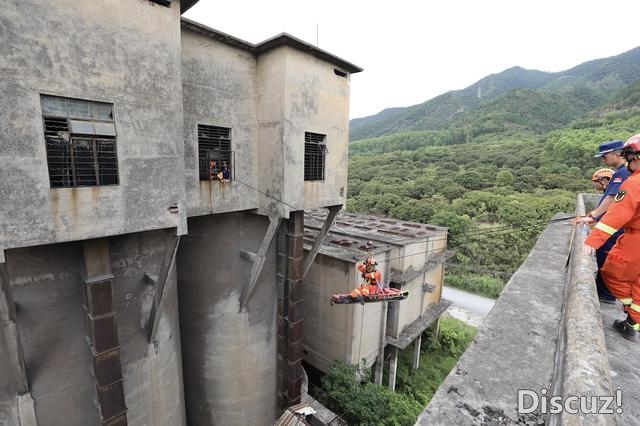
pixel 601 179
pixel 621 270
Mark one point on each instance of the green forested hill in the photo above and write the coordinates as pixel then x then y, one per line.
pixel 495 174
pixel 586 85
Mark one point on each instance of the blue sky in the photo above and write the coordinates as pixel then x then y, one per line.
pixel 412 51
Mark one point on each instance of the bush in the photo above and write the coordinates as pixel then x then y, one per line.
pixel 365 403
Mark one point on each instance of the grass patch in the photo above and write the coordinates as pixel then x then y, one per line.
pixel 480 284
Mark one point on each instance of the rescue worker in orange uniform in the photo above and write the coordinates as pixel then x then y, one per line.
pixel 601 179
pixel 621 270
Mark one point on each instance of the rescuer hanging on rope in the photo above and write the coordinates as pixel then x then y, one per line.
pixel 372 288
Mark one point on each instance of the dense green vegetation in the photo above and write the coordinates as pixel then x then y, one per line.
pixel 495 177
pixel 493 163
pixel 494 198
pixel 362 402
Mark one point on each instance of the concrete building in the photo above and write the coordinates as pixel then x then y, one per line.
pixel 137 288
pixel 410 257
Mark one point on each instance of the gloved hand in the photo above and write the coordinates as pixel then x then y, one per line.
pixel 588 250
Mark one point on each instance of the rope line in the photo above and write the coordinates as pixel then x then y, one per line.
pixel 486 232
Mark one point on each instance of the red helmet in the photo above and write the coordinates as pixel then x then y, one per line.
pixel 632 145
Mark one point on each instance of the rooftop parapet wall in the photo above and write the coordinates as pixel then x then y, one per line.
pixel 547 331
pixel 582 368
pixel 514 348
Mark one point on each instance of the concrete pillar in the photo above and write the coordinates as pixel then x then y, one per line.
pixel 416 352
pixel 294 284
pixel 436 329
pixel 9 328
pixel 393 367
pixel 103 332
pixel 383 342
pixel 283 307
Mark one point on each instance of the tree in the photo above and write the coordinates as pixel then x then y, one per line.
pixel 504 178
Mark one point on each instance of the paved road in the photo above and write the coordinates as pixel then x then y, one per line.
pixel 468 301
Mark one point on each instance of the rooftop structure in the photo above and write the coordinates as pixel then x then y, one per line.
pixel 410 257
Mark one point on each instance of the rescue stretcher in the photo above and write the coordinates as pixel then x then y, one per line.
pixel 389 294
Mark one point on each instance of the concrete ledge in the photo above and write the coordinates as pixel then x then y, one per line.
pixel 415 329
pixel 514 348
pixel 584 368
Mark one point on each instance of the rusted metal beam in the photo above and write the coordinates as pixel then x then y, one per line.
pixel 333 212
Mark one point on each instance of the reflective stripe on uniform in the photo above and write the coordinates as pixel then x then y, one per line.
pixel 626 301
pixel 606 228
pixel 635 307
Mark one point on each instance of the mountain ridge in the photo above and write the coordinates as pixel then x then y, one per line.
pixel 588 85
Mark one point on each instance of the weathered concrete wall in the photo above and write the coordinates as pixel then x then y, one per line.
pixel 435 278
pixel 127 54
pixel 152 372
pixel 347 333
pixel 313 99
pixel 271 148
pixel 47 286
pixel 327 329
pixel 229 358
pixel 219 84
pixel 515 347
pixel 412 307
pixel 411 259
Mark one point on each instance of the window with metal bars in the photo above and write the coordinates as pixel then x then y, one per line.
pixel 315 149
pixel 80 138
pixel 215 157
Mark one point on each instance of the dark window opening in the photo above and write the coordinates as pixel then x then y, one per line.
pixel 80 139
pixel 339 73
pixel 215 157
pixel 315 149
pixel 166 3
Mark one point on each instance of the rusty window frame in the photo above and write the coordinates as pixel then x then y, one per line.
pixel 73 159
pixel 315 149
pixel 214 143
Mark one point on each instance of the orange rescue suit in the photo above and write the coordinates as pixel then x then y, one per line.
pixel 621 270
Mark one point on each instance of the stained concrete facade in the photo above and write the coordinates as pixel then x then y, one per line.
pixel 156 300
pixel 410 256
pixel 229 355
pixel 269 95
pixel 96 53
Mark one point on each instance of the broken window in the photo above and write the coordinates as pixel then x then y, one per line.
pixel 80 137
pixel 314 154
pixel 214 143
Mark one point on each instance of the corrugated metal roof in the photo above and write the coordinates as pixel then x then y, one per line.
pixel 289 418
